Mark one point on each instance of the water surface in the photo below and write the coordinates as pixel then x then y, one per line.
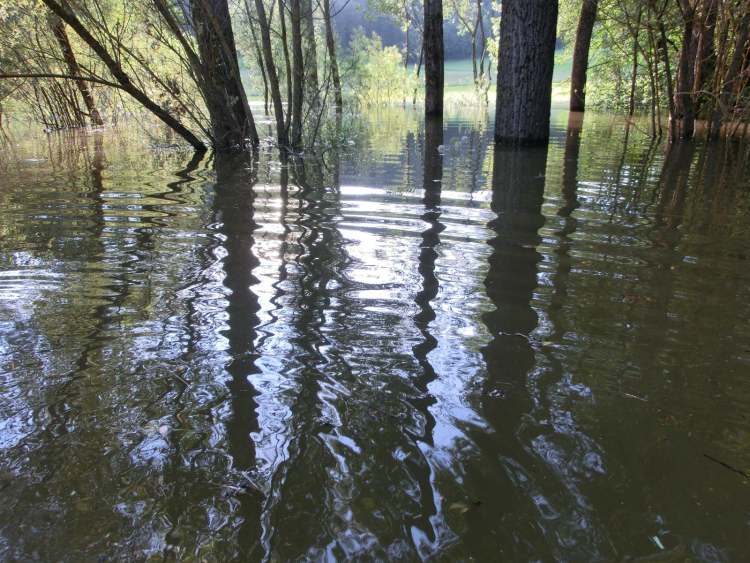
pixel 417 346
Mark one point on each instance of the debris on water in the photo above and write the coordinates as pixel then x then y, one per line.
pixel 727 466
pixel 658 543
pixel 459 507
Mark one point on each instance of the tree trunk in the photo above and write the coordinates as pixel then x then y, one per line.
pixel 61 36
pixel 684 117
pixel 331 44
pixel 287 68
pixel 524 76
pixel 633 78
pixel 271 73
pixel 298 73
pixel 581 55
pixel 231 119
pixel 258 54
pixel 662 47
pixel 67 15
pixel 434 57
pixel 312 84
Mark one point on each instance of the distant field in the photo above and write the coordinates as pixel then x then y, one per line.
pixel 459 79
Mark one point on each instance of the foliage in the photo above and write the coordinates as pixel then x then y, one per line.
pixel 377 75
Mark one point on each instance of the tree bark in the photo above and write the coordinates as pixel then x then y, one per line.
pixel 585 29
pixel 231 119
pixel 120 76
pixel 331 44
pixel 434 57
pixel 61 36
pixel 524 76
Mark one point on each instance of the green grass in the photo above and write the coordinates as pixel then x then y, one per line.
pixel 459 79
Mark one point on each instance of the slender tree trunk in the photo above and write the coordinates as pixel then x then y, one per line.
pixel 67 15
pixel 633 78
pixel 331 45
pixel 419 68
pixel 61 36
pixel 298 73
pixel 662 47
pixel 312 83
pixel 585 29
pixel 434 57
pixel 482 38
pixel 287 68
pixel 258 51
pixel 524 76
pixel 273 77
pixel 684 118
pixel 231 119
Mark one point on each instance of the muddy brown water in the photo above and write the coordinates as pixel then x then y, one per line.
pixel 416 346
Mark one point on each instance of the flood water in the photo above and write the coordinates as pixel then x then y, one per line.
pixel 414 347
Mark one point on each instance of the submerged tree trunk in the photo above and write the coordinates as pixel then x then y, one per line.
pixel 272 75
pixel 61 36
pixel 434 56
pixel 524 76
pixel 287 68
pixel 581 55
pixel 633 78
pixel 298 73
pixel 331 45
pixel 684 117
pixel 231 119
pixel 67 15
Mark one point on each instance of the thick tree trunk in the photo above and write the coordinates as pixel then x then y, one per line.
pixel 684 117
pixel 231 119
pixel 581 55
pixel 524 76
pixel 298 73
pixel 434 57
pixel 61 36
pixel 271 73
pixel 120 76
pixel 331 44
